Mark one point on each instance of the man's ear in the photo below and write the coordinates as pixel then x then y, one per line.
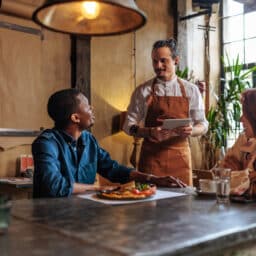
pixel 75 118
pixel 177 60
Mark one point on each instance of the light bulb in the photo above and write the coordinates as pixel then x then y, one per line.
pixel 91 10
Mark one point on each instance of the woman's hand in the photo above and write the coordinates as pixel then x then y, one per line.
pixel 250 159
pixel 252 176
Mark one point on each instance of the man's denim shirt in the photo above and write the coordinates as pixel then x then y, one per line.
pixel 57 167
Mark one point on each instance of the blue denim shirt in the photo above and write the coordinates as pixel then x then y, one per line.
pixel 57 167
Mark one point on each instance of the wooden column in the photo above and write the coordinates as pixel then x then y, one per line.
pixel 81 64
pixel 207 62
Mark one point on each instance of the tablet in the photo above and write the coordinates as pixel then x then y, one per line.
pixel 174 123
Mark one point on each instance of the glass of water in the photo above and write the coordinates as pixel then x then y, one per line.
pixel 222 181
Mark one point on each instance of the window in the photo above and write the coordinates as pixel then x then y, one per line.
pixel 239 39
pixel 239 32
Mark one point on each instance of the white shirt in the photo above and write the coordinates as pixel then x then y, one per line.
pixel 137 109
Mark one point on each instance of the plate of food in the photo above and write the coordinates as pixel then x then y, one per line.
pixel 133 191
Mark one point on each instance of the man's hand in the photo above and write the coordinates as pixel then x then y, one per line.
pixel 157 134
pixel 161 181
pixel 184 131
pixel 168 181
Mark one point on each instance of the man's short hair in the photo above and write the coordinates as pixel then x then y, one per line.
pixel 62 104
pixel 170 43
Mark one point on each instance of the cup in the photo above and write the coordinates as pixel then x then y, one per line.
pixel 222 181
pixel 207 185
pixel 5 212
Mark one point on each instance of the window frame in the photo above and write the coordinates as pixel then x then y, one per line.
pixel 232 137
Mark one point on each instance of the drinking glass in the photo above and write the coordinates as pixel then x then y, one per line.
pixel 222 181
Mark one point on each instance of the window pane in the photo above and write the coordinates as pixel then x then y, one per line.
pixel 233 29
pixel 231 7
pixel 250 51
pixel 234 49
pixel 249 78
pixel 250 28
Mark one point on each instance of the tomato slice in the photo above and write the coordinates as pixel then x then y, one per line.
pixel 147 192
pixel 136 191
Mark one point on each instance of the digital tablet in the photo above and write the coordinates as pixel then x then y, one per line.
pixel 174 123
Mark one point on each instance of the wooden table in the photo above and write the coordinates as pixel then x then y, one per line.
pixel 187 225
pixel 16 188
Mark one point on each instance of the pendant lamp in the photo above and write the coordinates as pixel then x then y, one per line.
pixel 92 18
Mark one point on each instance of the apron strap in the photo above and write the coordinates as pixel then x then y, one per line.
pixel 182 88
pixel 150 97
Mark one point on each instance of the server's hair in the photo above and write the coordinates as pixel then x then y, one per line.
pixel 170 43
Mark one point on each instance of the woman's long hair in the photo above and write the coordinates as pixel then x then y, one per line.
pixel 249 107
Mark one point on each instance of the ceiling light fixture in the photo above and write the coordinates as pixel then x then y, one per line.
pixel 92 18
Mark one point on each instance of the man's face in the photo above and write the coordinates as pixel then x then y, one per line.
pixel 85 113
pixel 163 63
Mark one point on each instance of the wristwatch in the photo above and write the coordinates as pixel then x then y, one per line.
pixel 134 129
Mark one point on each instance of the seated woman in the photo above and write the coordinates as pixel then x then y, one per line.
pixel 242 156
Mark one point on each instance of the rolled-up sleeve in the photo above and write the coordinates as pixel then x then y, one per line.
pixel 197 109
pixel 136 110
pixel 111 169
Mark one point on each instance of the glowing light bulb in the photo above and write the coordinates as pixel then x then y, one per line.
pixel 91 10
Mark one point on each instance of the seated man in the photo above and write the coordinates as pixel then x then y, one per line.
pixel 67 157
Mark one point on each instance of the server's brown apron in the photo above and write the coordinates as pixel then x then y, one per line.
pixel 171 157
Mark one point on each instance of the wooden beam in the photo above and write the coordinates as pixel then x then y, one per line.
pixel 81 64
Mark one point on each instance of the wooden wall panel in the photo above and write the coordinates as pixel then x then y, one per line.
pixel 31 69
pixel 36 68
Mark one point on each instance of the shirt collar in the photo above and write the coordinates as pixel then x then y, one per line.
pixel 68 138
pixel 167 83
